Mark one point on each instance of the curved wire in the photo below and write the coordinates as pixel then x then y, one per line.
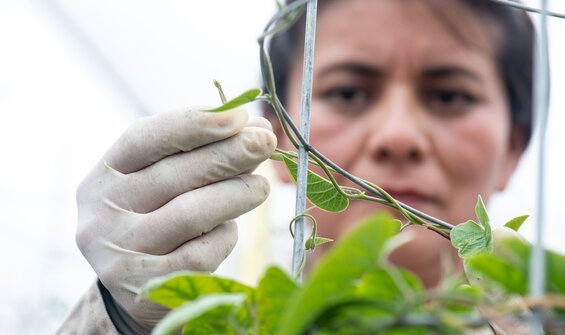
pixel 529 8
pixel 294 133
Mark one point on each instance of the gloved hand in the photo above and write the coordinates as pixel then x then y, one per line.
pixel 163 198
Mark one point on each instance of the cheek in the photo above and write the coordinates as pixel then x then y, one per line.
pixel 330 133
pixel 472 150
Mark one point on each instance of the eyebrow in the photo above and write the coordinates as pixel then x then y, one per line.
pixel 355 68
pixel 451 71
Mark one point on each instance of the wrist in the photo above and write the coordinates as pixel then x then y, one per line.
pixel 123 322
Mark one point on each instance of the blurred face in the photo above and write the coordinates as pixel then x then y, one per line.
pixel 401 100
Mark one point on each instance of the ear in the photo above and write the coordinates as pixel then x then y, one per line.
pixel 280 168
pixel 516 148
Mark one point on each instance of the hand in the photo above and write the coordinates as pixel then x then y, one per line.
pixel 163 198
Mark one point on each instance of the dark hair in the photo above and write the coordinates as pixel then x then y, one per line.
pixel 514 56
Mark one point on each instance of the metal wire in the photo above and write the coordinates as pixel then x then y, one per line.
pixel 530 9
pixel 541 104
pixel 302 174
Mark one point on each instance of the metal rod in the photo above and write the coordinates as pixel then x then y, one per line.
pixel 298 257
pixel 541 104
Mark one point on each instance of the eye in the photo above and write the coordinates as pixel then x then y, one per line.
pixel 450 101
pixel 347 99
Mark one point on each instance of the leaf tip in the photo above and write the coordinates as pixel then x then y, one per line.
pixel 516 222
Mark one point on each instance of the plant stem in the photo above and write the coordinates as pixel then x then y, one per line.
pixel 220 91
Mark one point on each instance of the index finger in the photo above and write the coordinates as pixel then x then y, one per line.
pixel 152 138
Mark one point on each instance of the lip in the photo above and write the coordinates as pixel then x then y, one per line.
pixel 412 197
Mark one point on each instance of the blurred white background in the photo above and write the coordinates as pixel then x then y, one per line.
pixel 74 74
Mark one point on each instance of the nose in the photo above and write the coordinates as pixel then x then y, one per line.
pixel 397 129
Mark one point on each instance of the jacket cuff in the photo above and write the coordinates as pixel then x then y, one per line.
pixel 89 316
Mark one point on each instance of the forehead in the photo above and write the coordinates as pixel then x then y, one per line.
pixel 411 32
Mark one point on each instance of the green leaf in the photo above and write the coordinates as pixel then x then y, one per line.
pixel 496 269
pixel 509 266
pixel 312 243
pixel 178 288
pixel 334 277
pixel 380 284
pixel 463 301
pixel 484 221
pixel 277 156
pixel 245 97
pixel 320 191
pixel 470 238
pixel 517 251
pixel 224 319
pixel 273 292
pixel 354 316
pixel 457 297
pixel 481 212
pixel 192 310
pixel 516 222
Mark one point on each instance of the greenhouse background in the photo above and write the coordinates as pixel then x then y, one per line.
pixel 74 74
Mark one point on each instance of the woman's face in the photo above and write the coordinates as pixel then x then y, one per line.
pixel 404 102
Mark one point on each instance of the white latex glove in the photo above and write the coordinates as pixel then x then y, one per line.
pixel 164 196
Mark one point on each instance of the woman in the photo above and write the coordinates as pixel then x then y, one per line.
pixel 428 99
pixel 436 111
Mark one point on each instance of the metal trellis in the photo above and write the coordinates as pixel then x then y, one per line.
pixel 298 258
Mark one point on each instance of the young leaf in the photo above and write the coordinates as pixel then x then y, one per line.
pixel 481 212
pixel 277 156
pixel 484 221
pixel 320 191
pixel 245 97
pixel 516 222
pixel 178 288
pixel 334 277
pixel 312 243
pixel 470 238
pixel 273 292
pixel 192 310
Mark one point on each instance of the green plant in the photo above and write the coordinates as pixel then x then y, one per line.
pixel 354 289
